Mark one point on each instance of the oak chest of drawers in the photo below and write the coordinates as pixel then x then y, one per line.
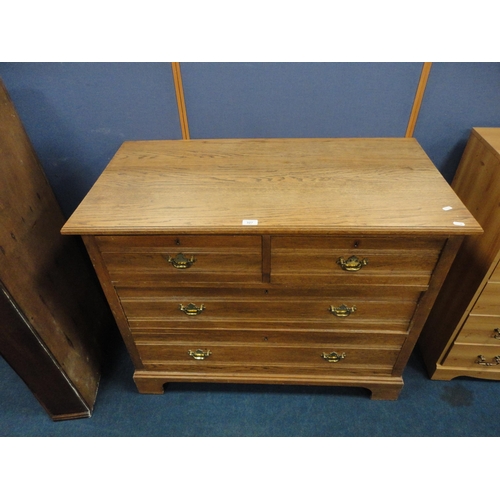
pixel 298 261
pixel 462 336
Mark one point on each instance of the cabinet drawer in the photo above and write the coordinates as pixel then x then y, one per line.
pixel 467 356
pixel 480 330
pixel 364 260
pixel 489 301
pixel 281 337
pixel 182 259
pixel 201 308
pixel 224 354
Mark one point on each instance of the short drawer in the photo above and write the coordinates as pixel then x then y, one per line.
pixel 489 301
pixel 474 357
pixel 201 308
pixel 320 260
pixel 329 356
pixel 182 259
pixel 480 330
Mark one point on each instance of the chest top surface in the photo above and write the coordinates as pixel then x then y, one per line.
pixel 326 186
pixel 489 136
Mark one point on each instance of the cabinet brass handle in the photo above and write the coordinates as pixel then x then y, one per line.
pixel 481 360
pixel 199 354
pixel 352 264
pixel 191 309
pixel 333 357
pixel 181 262
pixel 342 311
pixel 497 334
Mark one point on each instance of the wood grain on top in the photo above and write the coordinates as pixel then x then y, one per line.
pixel 386 185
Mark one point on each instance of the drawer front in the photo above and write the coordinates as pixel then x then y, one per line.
pixel 489 301
pixel 468 356
pixel 480 330
pixel 182 259
pixel 334 357
pixel 200 308
pixel 322 260
pixel 269 337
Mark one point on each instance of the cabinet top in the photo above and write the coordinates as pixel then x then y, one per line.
pixel 491 136
pixel 325 186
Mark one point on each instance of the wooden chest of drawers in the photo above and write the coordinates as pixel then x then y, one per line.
pixel 461 336
pixel 298 261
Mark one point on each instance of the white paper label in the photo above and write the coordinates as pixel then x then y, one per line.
pixel 249 222
pixel 459 223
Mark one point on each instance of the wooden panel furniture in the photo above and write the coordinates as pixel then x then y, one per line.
pixel 285 261
pixel 461 336
pixel 53 314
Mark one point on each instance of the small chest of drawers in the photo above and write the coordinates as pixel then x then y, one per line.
pixel 285 261
pixel 462 334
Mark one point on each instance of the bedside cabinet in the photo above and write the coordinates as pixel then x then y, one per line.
pixel 462 336
pixel 278 261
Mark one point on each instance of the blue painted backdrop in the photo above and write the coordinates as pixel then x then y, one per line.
pixel 459 96
pixel 299 99
pixel 78 114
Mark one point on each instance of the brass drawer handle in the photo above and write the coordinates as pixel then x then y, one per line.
pixel 481 360
pixel 191 309
pixel 181 262
pixel 199 354
pixel 333 357
pixel 352 264
pixel 342 311
pixel 497 334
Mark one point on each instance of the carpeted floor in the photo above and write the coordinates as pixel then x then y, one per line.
pixel 461 407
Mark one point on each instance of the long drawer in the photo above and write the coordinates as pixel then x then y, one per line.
pixel 468 356
pixel 480 330
pixel 182 259
pixel 322 260
pixel 227 308
pixel 329 356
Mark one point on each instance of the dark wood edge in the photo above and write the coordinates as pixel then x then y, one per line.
pixel 425 304
pixel 27 354
pixel 112 297
pixel 266 258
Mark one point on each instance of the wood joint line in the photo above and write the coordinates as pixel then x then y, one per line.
pixel 266 258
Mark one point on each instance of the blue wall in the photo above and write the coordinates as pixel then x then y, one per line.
pixel 78 114
pixel 458 96
pixel 299 99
